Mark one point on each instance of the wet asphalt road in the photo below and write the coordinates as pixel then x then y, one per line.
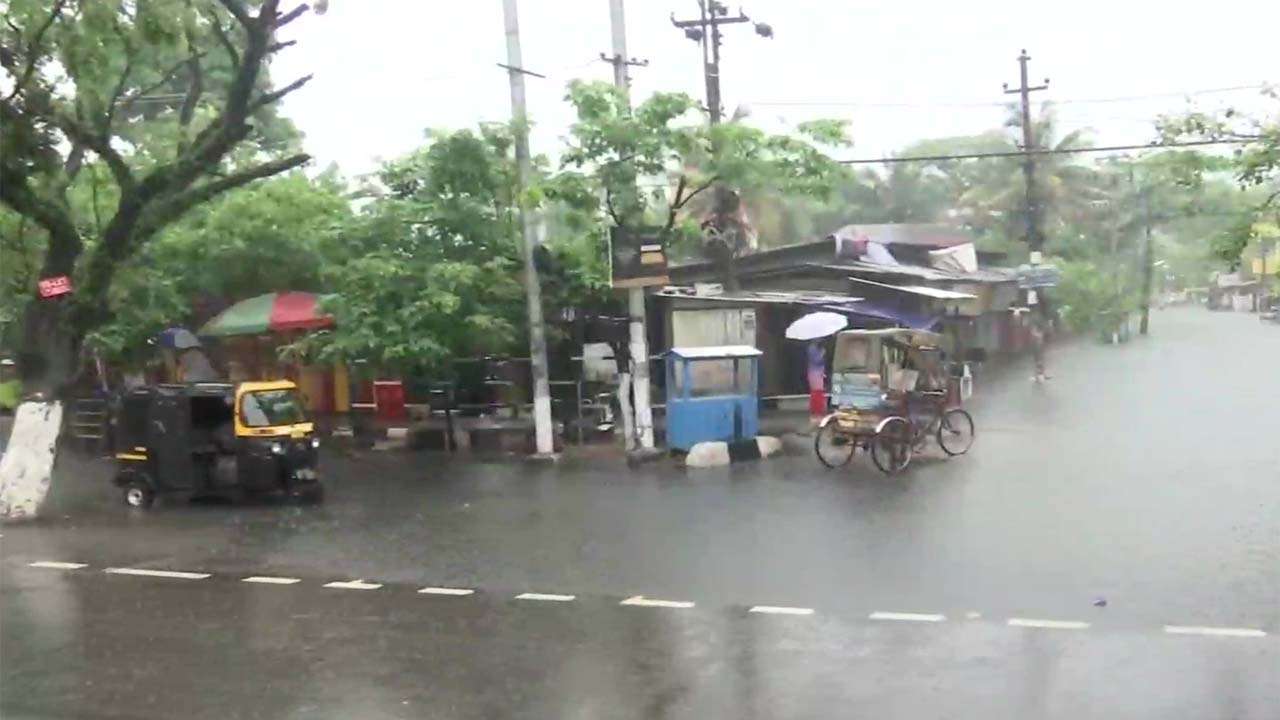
pixel 1145 475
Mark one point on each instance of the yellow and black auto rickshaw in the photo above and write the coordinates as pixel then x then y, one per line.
pixel 253 438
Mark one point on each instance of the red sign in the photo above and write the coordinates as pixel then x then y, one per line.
pixel 55 286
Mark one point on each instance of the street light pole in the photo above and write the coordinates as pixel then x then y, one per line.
pixel 706 31
pixel 533 291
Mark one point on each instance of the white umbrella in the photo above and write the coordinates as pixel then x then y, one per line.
pixel 817 325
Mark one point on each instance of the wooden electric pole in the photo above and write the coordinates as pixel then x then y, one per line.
pixel 635 296
pixel 1035 238
pixel 533 291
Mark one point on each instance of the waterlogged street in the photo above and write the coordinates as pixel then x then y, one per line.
pixel 1110 548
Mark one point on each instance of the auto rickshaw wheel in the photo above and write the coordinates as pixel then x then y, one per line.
pixel 138 494
pixel 314 495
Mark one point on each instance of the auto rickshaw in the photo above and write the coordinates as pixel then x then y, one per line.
pixel 196 439
pixel 875 377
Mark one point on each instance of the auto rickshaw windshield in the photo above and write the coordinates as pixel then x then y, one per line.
pixel 266 408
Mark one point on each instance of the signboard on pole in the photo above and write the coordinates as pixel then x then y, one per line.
pixel 1031 277
pixel 54 287
pixel 637 257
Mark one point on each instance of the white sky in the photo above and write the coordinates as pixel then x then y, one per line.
pixel 386 70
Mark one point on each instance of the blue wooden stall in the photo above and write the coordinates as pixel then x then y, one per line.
pixel 712 394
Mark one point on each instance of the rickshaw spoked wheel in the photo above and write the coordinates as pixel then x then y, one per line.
pixel 955 432
pixel 833 447
pixel 891 449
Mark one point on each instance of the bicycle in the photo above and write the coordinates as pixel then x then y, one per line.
pixel 899 437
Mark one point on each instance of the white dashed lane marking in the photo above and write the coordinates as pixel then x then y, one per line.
pixel 446 591
pixel 907 617
pixel 779 610
pixel 1214 631
pixel 353 585
pixel 57 565
pixel 176 574
pixel 547 597
pixel 1048 624
pixel 642 601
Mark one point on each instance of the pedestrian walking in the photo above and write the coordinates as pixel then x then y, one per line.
pixel 1038 342
pixel 817 377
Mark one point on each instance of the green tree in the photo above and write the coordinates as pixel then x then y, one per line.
pixel 270 236
pixel 666 139
pixel 428 270
pixel 1255 165
pixel 77 75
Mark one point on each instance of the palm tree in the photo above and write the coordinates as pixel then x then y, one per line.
pixel 995 195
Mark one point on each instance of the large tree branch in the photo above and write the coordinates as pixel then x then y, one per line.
pixel 65 244
pixel 290 16
pixel 194 90
pixel 231 126
pixel 224 39
pixel 135 222
pixel 168 210
pixel 165 78
pixel 33 50
pixel 268 98
pixel 704 186
pixel 239 11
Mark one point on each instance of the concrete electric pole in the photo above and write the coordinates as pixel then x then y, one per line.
pixel 1035 239
pixel 533 291
pixel 635 296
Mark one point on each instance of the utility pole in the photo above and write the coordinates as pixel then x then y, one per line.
pixel 705 30
pixel 532 290
pixel 1147 262
pixel 635 295
pixel 1035 240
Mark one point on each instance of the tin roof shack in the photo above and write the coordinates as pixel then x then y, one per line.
pixel 895 270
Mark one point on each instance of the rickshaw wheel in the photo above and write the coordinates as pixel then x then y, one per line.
pixel 955 432
pixel 891 447
pixel 138 494
pixel 833 448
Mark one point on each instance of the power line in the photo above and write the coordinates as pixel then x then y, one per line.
pixel 1046 151
pixel 989 103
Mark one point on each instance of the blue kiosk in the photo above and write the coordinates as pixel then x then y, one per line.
pixel 712 394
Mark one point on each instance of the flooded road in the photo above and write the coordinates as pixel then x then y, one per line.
pixel 1110 547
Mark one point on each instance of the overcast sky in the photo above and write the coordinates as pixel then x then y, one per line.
pixel 386 70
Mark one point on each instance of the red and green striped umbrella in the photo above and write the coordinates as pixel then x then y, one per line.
pixel 273 312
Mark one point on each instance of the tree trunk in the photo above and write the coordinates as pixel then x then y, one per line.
pixel 26 468
pixel 47 363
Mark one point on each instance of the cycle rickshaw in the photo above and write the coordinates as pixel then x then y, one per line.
pixel 891 394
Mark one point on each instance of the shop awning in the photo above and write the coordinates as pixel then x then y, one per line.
pixel 273 312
